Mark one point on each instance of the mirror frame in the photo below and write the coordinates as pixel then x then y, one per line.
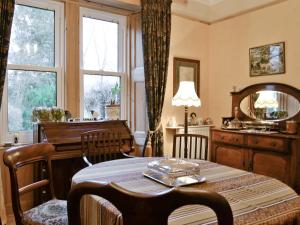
pixel 237 97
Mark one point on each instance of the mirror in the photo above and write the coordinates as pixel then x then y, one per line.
pixel 267 102
pixel 270 105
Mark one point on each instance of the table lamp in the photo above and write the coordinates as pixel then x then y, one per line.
pixel 266 99
pixel 186 96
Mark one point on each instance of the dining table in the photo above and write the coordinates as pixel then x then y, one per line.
pixel 254 199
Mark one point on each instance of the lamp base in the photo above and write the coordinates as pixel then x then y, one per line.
pixel 185 131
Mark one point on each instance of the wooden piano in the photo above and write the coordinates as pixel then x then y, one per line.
pixel 66 137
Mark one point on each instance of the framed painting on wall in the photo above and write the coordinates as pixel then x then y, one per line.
pixel 186 70
pixel 267 59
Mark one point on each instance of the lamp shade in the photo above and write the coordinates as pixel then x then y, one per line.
pixel 266 99
pixel 186 95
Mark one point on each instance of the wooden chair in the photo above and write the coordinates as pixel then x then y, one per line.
pixel 50 212
pixel 146 209
pixel 101 145
pixel 197 146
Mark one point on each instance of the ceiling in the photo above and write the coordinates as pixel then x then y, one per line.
pixel 209 2
pixel 210 11
pixel 131 5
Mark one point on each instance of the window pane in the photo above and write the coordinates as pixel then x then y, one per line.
pixel 32 37
pixel 26 90
pixel 99 91
pixel 100 45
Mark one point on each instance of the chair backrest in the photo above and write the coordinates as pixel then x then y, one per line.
pixel 197 146
pixel 18 157
pixel 101 145
pixel 146 209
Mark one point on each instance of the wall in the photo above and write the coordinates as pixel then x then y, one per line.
pixel 189 39
pixel 229 43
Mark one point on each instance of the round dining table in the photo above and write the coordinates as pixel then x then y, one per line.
pixel 254 198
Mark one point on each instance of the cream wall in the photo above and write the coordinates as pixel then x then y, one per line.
pixel 229 43
pixel 189 39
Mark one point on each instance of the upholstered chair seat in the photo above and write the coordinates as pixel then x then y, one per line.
pixel 53 212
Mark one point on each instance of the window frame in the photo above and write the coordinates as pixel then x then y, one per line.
pixel 59 34
pixel 122 35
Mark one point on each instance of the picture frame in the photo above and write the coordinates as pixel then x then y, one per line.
pixel 186 70
pixel 267 59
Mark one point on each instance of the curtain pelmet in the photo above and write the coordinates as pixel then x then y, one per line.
pixel 6 17
pixel 156 30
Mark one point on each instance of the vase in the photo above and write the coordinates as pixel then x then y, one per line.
pixel 112 112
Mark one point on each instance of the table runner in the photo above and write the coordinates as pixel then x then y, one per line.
pixel 254 199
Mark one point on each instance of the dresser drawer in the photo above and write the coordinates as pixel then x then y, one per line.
pixel 227 137
pixel 275 144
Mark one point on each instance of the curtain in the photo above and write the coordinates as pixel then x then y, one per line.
pixel 6 17
pixel 282 100
pixel 156 30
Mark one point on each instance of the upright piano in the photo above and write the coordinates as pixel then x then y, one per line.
pixel 66 137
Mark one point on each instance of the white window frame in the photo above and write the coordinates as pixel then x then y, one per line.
pixel 58 7
pixel 122 35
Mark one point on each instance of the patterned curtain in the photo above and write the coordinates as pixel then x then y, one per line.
pixel 6 16
pixel 156 30
pixel 282 100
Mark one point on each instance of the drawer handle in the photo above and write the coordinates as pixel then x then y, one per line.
pixel 222 137
pixel 250 167
pixel 236 140
pixel 273 144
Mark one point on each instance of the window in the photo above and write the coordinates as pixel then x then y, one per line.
pixel 102 61
pixel 35 65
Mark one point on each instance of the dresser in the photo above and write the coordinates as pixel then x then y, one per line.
pixel 274 155
pixel 262 142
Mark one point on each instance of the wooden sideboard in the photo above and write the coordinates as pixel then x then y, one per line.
pixel 275 155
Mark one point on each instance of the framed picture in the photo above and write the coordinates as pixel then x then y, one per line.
pixel 186 70
pixel 267 59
